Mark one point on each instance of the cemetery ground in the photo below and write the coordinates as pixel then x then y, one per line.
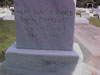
pixel 7 36
pixel 88 31
pixel 94 21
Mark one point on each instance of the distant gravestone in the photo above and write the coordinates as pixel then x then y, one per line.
pixel 96 11
pixel 99 16
pixel 87 11
pixel 85 15
pixel 47 24
pixel 44 38
pixel 98 7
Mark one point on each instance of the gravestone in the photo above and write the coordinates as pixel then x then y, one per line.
pixel 85 15
pixel 45 25
pixel 98 7
pixel 96 11
pixel 99 16
pixel 44 38
pixel 87 11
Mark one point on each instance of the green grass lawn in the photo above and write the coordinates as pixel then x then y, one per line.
pixel 7 36
pixel 94 21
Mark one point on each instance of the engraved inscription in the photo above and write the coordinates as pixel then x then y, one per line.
pixel 45 12
pixel 43 20
pixel 49 60
pixel 34 20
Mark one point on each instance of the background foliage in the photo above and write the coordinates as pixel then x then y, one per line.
pixel 83 3
pixel 6 2
pixel 80 3
pixel 7 36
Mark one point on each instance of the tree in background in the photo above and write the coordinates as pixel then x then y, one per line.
pixel 83 3
pixel 2 3
pixel 97 3
pixel 6 2
pixel 80 3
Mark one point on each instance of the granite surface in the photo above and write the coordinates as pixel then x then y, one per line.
pixel 40 62
pixel 45 24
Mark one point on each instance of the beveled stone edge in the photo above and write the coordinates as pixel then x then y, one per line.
pixel 13 49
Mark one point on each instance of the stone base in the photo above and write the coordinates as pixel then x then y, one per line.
pixel 40 62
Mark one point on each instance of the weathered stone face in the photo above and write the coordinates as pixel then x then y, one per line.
pixel 45 24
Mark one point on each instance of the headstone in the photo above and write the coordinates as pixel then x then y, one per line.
pixel 45 25
pixel 2 15
pixel 87 10
pixel 81 20
pixel 91 14
pixel 96 11
pixel 44 38
pixel 99 16
pixel 98 7
pixel 1 10
pixel 7 11
pixel 9 17
pixel 85 15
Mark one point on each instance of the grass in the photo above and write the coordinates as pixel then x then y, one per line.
pixel 94 21
pixel 7 37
